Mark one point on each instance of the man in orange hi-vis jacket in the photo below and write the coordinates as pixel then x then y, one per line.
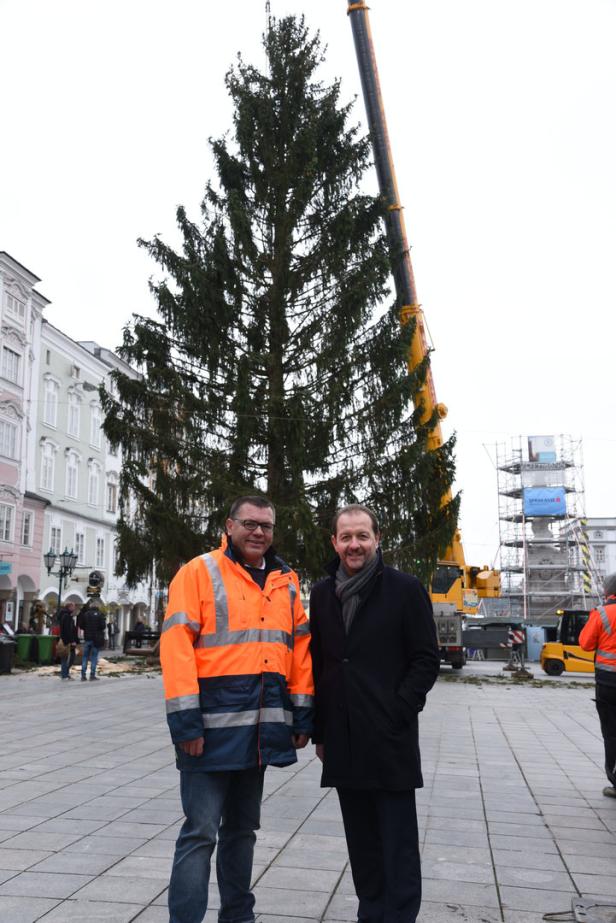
pixel 239 696
pixel 599 635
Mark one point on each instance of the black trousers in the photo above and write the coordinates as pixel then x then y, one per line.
pixel 381 834
pixel 606 708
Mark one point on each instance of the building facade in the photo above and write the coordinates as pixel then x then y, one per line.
pixel 59 478
pixel 21 511
pixel 601 532
pixel 77 473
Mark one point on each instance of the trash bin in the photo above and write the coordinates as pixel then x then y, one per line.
pixel 45 648
pixel 7 652
pixel 24 647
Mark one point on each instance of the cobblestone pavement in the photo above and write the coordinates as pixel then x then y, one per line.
pixel 513 822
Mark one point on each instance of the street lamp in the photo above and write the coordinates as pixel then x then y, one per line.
pixel 68 560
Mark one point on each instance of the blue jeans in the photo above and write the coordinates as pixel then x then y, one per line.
pixel 227 805
pixel 89 651
pixel 67 662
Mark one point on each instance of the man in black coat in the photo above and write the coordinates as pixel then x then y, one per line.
pixel 375 657
pixel 92 621
pixel 68 634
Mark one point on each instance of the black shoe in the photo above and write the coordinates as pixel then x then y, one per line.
pixel 609 791
pixel 83 679
pixel 94 679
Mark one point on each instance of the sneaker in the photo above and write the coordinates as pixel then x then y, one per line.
pixel 609 791
pixel 94 679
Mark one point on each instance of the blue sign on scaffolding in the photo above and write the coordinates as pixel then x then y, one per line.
pixel 5 568
pixel 545 501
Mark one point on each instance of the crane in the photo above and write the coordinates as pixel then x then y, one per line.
pixel 456 586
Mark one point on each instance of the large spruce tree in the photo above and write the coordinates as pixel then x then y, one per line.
pixel 278 364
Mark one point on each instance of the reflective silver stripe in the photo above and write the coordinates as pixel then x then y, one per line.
pixel 246 636
pixel 302 700
pixel 223 636
pixel 303 629
pixel 606 654
pixel 220 594
pixel 604 618
pixel 235 719
pixel 182 703
pixel 181 618
pixel 605 666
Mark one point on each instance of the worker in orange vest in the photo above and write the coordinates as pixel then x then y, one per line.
pixel 599 635
pixel 239 695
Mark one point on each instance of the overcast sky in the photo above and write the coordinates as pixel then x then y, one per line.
pixel 501 117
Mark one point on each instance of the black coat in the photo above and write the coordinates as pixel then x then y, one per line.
pixel 68 629
pixel 93 624
pixel 372 683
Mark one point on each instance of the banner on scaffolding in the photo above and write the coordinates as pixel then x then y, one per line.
pixel 541 449
pixel 544 501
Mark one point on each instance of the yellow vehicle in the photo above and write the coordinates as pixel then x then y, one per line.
pixel 457 587
pixel 565 653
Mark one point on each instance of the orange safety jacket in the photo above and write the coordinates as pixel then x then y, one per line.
pixel 599 634
pixel 236 663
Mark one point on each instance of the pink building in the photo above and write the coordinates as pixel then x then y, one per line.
pixel 21 511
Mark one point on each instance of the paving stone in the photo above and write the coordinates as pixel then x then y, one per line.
pixel 21 859
pixel 298 879
pixel 281 901
pixel 26 909
pixel 43 884
pixel 536 900
pixel 123 889
pixel 94 912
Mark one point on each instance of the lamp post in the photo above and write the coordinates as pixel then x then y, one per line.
pixel 68 560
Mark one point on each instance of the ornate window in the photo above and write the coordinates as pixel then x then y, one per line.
pixel 8 439
pixel 100 552
pixel 11 365
pixel 80 547
pixel 72 475
pixel 95 426
pixel 15 306
pixel 27 528
pixel 112 493
pixel 93 482
pixel 55 539
pixel 7 517
pixel 48 465
pixel 50 402
pixel 74 414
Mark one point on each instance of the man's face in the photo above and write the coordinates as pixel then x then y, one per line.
pixel 70 607
pixel 355 541
pixel 250 542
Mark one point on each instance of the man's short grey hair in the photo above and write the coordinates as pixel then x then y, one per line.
pixel 609 585
pixel 355 508
pixel 261 502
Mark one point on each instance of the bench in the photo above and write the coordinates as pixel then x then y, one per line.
pixel 147 640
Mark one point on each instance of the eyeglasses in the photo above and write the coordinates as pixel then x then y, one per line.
pixel 252 525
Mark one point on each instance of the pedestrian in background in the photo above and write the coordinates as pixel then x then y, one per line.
pixel 239 695
pixel 599 635
pixel 92 621
pixel 375 657
pixel 68 634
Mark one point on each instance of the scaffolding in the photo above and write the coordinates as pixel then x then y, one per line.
pixel 545 560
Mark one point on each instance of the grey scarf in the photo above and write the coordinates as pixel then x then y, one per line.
pixel 349 587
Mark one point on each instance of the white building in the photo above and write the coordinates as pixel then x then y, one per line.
pixel 601 533
pixel 77 473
